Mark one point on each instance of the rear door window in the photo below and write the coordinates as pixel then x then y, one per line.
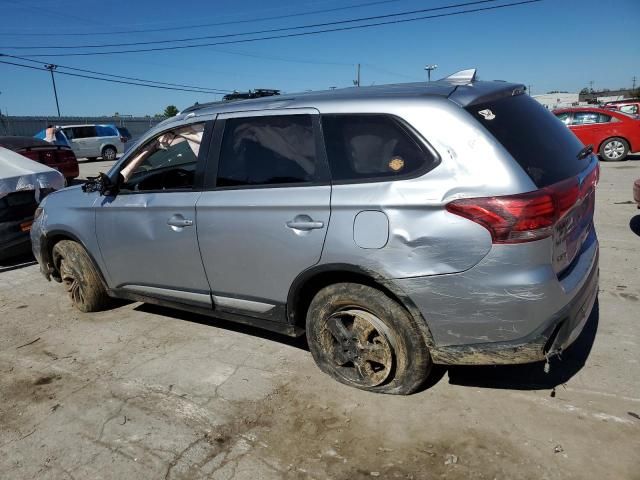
pixel 106 131
pixel 535 138
pixel 588 118
pixel 88 131
pixel 268 150
pixel 372 147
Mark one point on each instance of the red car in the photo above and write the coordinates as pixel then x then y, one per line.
pixel 58 157
pixel 612 134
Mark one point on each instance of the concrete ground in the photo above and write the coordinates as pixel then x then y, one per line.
pixel 148 392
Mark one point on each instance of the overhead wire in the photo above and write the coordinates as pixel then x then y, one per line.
pixel 289 35
pixel 257 32
pixel 211 92
pixel 204 25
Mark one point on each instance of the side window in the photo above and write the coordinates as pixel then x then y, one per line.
pixel 167 162
pixel 363 147
pixel 267 150
pixel 68 132
pixel 106 131
pixel 564 117
pixel 588 118
pixel 84 132
pixel 632 109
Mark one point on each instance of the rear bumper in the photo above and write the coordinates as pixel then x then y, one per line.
pixel 554 336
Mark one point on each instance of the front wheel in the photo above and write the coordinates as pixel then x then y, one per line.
pixel 79 276
pixel 109 153
pixel 614 149
pixel 363 338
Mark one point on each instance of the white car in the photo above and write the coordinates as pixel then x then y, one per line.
pixel 90 141
pixel 23 185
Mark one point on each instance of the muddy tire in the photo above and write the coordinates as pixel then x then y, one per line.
pixel 79 277
pixel 363 338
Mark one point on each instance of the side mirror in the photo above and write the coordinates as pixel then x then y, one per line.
pixel 103 184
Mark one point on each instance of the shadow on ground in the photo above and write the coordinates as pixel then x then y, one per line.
pixel 532 376
pixel 515 377
pixel 298 342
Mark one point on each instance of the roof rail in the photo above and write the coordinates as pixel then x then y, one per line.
pixel 462 77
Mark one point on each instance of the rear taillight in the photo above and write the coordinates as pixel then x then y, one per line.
pixel 123 139
pixel 31 154
pixel 527 216
pixel 66 156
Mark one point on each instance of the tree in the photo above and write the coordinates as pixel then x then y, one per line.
pixel 170 111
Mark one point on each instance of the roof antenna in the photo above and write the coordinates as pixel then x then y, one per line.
pixel 462 77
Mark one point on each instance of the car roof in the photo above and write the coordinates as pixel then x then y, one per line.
pixel 605 111
pixel 462 93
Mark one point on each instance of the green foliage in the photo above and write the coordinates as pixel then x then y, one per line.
pixel 170 111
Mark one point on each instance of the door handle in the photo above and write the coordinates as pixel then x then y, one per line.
pixel 304 222
pixel 179 221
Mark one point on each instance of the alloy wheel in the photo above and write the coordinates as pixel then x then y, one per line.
pixel 71 283
pixel 614 149
pixel 357 343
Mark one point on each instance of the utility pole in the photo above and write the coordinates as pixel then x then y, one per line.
pixel 51 67
pixel 634 83
pixel 529 89
pixel 356 82
pixel 591 86
pixel 429 69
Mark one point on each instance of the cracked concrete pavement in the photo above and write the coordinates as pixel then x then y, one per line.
pixel 148 392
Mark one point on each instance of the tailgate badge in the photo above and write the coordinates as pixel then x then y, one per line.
pixel 487 114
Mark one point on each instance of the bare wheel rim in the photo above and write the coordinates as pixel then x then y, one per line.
pixel 71 283
pixel 357 345
pixel 614 149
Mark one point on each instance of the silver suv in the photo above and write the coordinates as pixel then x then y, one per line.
pixel 397 226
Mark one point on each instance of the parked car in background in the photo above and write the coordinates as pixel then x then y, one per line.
pixel 631 107
pixel 398 226
pixel 58 157
pixel 612 134
pixel 92 141
pixel 23 185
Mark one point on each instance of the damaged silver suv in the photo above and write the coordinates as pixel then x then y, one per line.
pixel 396 226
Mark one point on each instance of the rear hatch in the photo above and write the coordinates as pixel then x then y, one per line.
pixel 563 205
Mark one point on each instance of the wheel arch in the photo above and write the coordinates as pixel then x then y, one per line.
pixel 312 280
pixel 55 236
pixel 614 136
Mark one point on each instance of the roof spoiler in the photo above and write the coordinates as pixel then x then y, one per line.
pixel 463 77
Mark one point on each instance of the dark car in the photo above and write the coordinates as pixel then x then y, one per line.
pixel 58 157
pixel 125 134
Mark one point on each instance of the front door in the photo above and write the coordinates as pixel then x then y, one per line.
pixel 147 232
pixel 265 215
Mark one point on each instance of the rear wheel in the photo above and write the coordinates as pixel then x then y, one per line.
pixel 614 149
pixel 109 153
pixel 79 276
pixel 363 338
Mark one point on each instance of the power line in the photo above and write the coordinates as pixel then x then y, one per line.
pixel 212 90
pixel 289 35
pixel 203 25
pixel 113 81
pixel 257 32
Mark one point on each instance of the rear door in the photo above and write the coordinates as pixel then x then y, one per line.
pixel 591 127
pixel 84 139
pixel 265 215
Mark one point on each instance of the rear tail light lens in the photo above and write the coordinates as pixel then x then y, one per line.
pixel 528 216
pixel 33 155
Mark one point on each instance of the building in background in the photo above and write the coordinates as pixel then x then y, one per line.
pixel 552 101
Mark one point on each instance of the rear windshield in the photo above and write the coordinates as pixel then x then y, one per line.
pixel 543 146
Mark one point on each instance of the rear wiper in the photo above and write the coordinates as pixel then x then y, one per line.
pixel 585 152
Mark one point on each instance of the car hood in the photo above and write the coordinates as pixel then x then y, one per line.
pixel 20 173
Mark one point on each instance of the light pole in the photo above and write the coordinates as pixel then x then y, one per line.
pixel 429 69
pixel 51 67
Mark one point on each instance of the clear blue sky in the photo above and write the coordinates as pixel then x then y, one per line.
pixel 551 45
